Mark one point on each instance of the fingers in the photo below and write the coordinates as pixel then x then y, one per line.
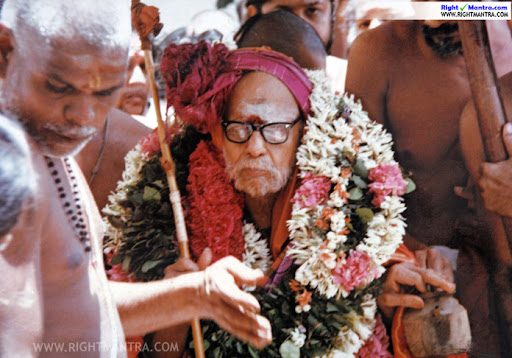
pixel 435 279
pixel 251 328
pixel 241 273
pixel 410 275
pixel 404 274
pixel 421 257
pixel 180 267
pixel 396 299
pixel 507 137
pixel 461 191
pixel 205 259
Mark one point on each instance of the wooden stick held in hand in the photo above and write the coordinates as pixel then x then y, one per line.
pixel 146 20
pixel 491 118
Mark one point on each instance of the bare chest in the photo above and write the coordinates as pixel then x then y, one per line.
pixel 424 103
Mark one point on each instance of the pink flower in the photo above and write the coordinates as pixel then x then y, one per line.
pixel 116 273
pixel 386 180
pixel 358 269
pixel 150 144
pixel 313 190
pixel 377 345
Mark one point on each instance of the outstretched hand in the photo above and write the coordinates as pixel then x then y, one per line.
pixel 495 182
pixel 231 308
pixel 407 274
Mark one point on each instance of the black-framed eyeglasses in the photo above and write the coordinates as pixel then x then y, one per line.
pixel 273 133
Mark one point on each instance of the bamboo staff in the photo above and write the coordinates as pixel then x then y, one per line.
pixel 491 117
pixel 146 20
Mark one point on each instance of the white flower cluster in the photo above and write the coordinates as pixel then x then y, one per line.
pixel 257 252
pixel 134 161
pixel 327 134
pixel 351 338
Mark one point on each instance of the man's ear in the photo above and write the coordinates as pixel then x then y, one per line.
pixel 251 11
pixel 6 47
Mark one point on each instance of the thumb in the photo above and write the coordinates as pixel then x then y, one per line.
pixel 507 137
pixel 205 259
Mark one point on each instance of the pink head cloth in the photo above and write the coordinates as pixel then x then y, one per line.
pixel 279 66
pixel 199 79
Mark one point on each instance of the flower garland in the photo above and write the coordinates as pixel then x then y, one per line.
pixel 346 222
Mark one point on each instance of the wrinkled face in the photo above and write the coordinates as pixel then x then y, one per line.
pixel 256 167
pixel 62 92
pixel 317 13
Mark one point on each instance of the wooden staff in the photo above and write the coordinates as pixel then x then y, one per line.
pixel 491 117
pixel 146 20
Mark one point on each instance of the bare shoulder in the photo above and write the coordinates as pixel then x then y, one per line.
pixel 381 42
pixel 124 124
pixel 372 58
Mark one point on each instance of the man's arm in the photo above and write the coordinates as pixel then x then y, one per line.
pixel 21 316
pixel 367 73
pixel 212 294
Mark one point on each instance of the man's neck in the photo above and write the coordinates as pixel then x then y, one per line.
pixel 261 209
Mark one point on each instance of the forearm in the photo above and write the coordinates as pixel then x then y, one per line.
pixel 152 306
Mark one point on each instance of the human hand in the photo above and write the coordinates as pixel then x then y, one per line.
pixel 187 265
pixel 232 309
pixel 495 182
pixel 409 275
pixel 432 258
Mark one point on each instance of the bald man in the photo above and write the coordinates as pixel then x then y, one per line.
pixel 63 63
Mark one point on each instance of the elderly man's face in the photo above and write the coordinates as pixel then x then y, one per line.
pixel 257 167
pixel 317 13
pixel 62 92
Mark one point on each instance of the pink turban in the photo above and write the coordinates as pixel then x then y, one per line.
pixel 199 79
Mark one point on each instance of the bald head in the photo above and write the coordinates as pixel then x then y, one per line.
pixel 63 64
pixel 101 24
pixel 297 39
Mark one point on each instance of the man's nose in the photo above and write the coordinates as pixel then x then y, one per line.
pixel 256 145
pixel 137 76
pixel 80 111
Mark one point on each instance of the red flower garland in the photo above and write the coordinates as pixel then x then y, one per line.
pixel 215 214
pixel 197 83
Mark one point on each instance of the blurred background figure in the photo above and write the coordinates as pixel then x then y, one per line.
pixel 134 96
pixel 354 17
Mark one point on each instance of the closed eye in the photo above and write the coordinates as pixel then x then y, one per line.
pixel 58 87
pixel 107 92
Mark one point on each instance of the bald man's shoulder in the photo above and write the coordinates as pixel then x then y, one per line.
pixel 126 130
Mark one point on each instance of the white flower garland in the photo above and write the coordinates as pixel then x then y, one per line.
pixel 325 137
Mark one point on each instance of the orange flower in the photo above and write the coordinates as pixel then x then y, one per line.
pixel 304 298
pixel 294 285
pixel 345 172
pixel 321 224
pixel 327 213
pixel 345 231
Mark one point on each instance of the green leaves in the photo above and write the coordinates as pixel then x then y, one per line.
pixel 411 186
pixel 151 193
pixel 360 169
pixel 365 214
pixel 355 193
pixel 148 265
